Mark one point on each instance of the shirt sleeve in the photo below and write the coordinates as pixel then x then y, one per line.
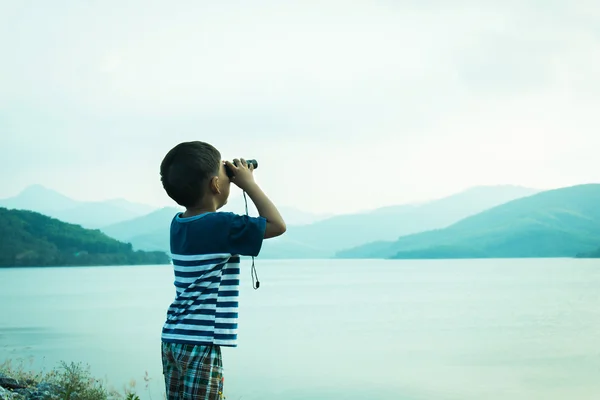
pixel 246 234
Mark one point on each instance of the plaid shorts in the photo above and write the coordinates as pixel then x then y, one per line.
pixel 192 372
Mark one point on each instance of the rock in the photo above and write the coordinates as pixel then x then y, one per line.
pixel 6 394
pixel 10 383
pixel 43 391
pixel 26 393
pixel 47 391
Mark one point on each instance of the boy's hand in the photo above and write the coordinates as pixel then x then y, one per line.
pixel 242 173
pixel 244 179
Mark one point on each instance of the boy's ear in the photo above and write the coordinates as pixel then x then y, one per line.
pixel 215 185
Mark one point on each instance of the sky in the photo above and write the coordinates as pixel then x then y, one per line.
pixel 346 105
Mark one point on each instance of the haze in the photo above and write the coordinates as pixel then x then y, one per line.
pixel 346 105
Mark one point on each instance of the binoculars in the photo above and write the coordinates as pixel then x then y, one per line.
pixel 230 172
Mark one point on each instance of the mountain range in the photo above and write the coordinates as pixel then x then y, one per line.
pixel 293 216
pixel 151 231
pixel 325 237
pixel 481 222
pixel 88 214
pixel 556 223
pixel 148 232
pixel 102 214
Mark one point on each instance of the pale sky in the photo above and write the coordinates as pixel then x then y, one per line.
pixel 347 105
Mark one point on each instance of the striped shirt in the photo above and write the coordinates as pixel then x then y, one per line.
pixel 206 250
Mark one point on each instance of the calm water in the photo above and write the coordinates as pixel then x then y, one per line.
pixel 495 329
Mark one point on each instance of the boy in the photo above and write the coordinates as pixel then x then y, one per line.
pixel 206 247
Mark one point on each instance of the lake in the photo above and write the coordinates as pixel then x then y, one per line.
pixel 333 329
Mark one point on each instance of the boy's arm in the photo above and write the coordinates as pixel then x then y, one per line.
pixel 244 179
pixel 266 209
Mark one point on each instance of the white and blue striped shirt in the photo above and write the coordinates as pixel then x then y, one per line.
pixel 206 252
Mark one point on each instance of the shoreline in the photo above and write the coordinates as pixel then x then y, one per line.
pixel 65 381
pixel 82 266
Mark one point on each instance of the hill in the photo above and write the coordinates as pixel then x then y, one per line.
pixel 151 231
pixel 554 223
pixel 85 213
pixel 590 254
pixel 148 232
pixel 39 198
pixel 28 238
pixel 322 239
pixel 334 234
pixel 293 216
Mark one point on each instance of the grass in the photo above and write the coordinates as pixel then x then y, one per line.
pixel 68 381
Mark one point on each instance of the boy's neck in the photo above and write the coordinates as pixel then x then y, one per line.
pixel 206 207
pixel 191 212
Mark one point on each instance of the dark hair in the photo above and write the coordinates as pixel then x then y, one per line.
pixel 186 168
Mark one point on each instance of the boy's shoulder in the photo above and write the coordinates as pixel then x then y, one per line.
pixel 227 231
pixel 211 218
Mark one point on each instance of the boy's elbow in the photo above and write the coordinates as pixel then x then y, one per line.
pixel 280 228
pixel 275 229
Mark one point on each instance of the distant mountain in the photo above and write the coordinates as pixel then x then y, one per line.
pixel 324 238
pixel 148 232
pixel 555 223
pixel 39 198
pixel 28 238
pixel 135 208
pixel 590 254
pixel 293 216
pixel 87 214
pixel 151 232
pixel 337 233
pixel 284 248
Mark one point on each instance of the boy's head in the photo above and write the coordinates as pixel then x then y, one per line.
pixel 193 175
